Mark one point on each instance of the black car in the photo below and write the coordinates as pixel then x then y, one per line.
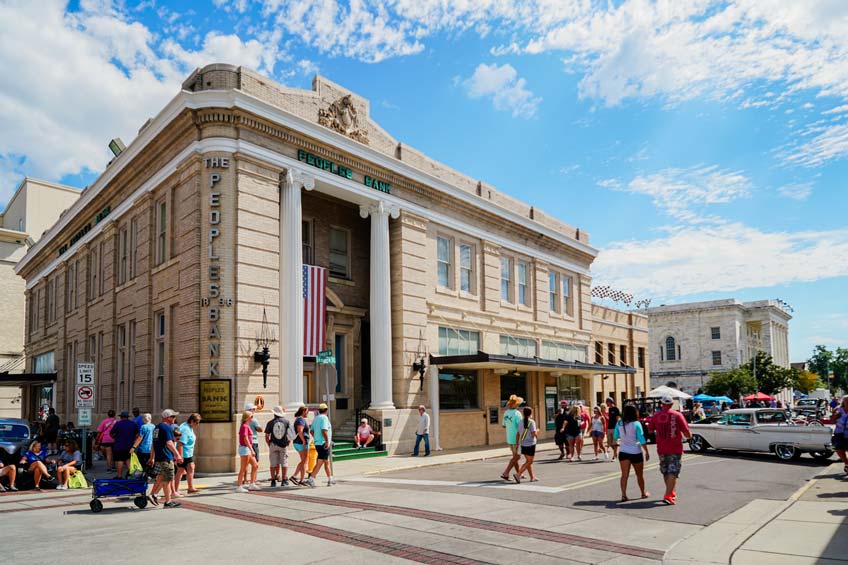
pixel 15 435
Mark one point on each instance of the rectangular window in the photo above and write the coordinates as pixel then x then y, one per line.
pixel 518 346
pixel 93 274
pixel 716 357
pixel 339 257
pixel 523 294
pixel 161 254
pixel 121 365
pixel 70 366
pixel 506 279
pixel 44 363
pixel 640 356
pixel 599 353
pixel 131 392
pixel 71 287
pixel 715 333
pixel 133 250
pixel 566 295
pixel 568 352
pixel 458 342
pixel 40 309
pixel 611 354
pixel 622 355
pixel 123 250
pixel 466 268
pixel 513 383
pixel 51 300
pixel 443 258
pixel 102 269
pixel 553 291
pixel 307 242
pixel 98 371
pixel 340 362
pixel 458 390
pixel 159 361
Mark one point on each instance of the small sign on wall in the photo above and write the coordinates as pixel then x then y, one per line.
pixel 216 400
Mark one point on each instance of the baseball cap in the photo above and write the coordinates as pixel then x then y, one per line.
pixel 250 406
pixel 611 399
pixel 167 413
pixel 667 399
pixel 563 403
pixel 364 420
pixel 125 414
pixel 322 406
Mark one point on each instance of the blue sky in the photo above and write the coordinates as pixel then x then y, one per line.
pixel 702 144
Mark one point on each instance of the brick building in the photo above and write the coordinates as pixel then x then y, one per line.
pixel 164 270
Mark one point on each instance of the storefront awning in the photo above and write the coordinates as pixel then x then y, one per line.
pixel 27 379
pixel 483 360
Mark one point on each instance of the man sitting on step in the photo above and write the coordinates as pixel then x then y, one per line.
pixel 364 435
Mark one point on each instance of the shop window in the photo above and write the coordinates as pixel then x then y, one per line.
pixel 339 253
pixel 518 346
pixel 570 388
pixel 566 351
pixel 445 262
pixel 506 279
pixel 458 390
pixel 458 342
pixel 513 383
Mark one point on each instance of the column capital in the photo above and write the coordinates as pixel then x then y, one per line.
pixel 299 178
pixel 380 208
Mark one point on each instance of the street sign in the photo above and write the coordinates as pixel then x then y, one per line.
pixel 326 357
pixel 85 396
pixel 85 374
pixel 84 417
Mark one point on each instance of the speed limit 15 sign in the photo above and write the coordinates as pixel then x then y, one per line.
pixel 85 373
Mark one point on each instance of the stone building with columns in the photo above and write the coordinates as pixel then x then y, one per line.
pixel 441 290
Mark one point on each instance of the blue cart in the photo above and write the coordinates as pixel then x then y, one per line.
pixel 108 488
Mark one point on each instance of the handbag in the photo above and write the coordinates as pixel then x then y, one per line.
pixel 77 480
pixel 135 465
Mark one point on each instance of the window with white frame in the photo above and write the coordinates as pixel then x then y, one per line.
pixel 466 267
pixel 523 287
pixel 51 300
pixel 93 273
pixel 101 265
pixel 518 346
pixel 339 253
pixel 444 260
pixel 307 242
pixel 160 360
pixel 568 352
pixel 553 292
pixel 133 250
pixel 71 286
pixel 458 342
pixel 123 254
pixel 121 365
pixel 506 279
pixel 161 248
pixel 44 363
pixel 566 295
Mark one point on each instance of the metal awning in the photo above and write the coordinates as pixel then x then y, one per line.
pixel 27 379
pixel 483 360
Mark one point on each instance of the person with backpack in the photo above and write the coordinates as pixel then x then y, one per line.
pixel 526 438
pixel 279 433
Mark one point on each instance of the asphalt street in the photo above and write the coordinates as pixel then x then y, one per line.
pixel 712 485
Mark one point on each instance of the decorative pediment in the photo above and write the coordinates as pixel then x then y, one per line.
pixel 342 116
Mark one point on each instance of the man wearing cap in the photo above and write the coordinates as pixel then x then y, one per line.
pixel 124 433
pixel 164 455
pixel 322 431
pixel 510 423
pixel 613 415
pixel 670 427
pixel 277 438
pixel 364 434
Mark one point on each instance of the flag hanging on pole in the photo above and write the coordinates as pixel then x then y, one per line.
pixel 314 307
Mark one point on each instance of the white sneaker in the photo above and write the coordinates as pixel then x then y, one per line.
pixel 241 489
pixel 310 482
pixel 606 455
pixel 61 487
pixel 253 486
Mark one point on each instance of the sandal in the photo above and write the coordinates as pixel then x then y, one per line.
pixel 646 495
pixel 534 480
pixel 624 499
pixel 505 477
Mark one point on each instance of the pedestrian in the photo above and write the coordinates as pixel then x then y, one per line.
pixel 104 441
pixel 123 432
pixel 137 417
pixel 423 432
pixel 840 432
pixel 144 442
pixel 301 445
pixel 255 427
pixel 599 431
pixel 364 435
pixel 247 455
pixel 698 412
pixel 633 451
pixel 164 455
pixel 51 431
pixel 572 432
pixel 322 432
pixel 605 416
pixel 526 437
pixel 670 428
pixel 188 439
pixel 278 435
pixel 613 415
pixel 585 424
pixel 559 429
pixel 510 422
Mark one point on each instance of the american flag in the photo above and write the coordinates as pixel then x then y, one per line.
pixel 314 294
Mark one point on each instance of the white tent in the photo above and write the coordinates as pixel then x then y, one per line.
pixel 663 390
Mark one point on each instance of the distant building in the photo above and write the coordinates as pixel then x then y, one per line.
pixel 690 341
pixel 33 208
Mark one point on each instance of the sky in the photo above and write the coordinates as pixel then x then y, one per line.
pixel 703 144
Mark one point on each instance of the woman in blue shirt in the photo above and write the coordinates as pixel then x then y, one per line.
pixel 33 461
pixel 186 444
pixel 144 442
pixel 840 432
pixel 632 444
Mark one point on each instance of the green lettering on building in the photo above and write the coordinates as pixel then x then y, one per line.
pixel 327 165
pixel 377 184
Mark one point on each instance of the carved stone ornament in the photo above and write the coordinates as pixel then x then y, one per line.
pixel 342 117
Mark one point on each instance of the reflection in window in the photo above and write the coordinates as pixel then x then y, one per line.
pixel 458 390
pixel 458 342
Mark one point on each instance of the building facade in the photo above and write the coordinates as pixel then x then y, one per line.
pixel 187 254
pixel 34 207
pixel 690 341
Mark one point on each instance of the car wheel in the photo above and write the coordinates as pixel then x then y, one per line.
pixel 823 455
pixel 698 443
pixel 786 452
pixel 815 423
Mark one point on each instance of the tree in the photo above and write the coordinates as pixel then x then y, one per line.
pixel 771 378
pixel 819 363
pixel 825 361
pixel 839 366
pixel 734 384
pixel 807 381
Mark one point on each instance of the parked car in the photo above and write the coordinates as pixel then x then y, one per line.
pixel 15 435
pixel 646 408
pixel 761 429
pixel 813 408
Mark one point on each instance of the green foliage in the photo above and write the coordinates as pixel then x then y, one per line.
pixel 734 384
pixel 825 361
pixel 770 378
pixel 807 381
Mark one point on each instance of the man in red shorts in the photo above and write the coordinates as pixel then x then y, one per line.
pixel 670 427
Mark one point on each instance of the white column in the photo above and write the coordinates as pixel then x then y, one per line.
pixel 291 288
pixel 433 378
pixel 381 304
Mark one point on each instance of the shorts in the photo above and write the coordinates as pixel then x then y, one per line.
pixel 528 450
pixel 611 438
pixel 323 451
pixel 244 451
pixel 838 442
pixel 143 458
pixel 278 455
pixel 571 437
pixel 598 434
pixel 121 454
pixel 671 464
pixel 513 447
pixel 634 458
pixel 299 447
pixel 186 462
pixel 559 438
pixel 166 470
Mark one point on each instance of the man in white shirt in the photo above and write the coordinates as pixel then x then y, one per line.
pixel 423 432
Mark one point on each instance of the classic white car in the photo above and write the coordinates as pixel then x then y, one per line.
pixel 761 429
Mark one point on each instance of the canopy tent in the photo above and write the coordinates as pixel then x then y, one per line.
pixel 664 390
pixel 799 394
pixel 704 397
pixel 724 399
pixel 758 396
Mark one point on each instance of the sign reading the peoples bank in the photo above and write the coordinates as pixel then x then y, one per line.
pixel 216 400
pixel 344 172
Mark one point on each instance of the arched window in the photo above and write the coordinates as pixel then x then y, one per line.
pixel 670 349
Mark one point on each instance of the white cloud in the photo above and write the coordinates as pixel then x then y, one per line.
pixel 507 90
pixel 796 191
pixel 825 143
pixel 721 256
pixel 218 47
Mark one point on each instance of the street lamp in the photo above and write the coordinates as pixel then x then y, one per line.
pixel 262 354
